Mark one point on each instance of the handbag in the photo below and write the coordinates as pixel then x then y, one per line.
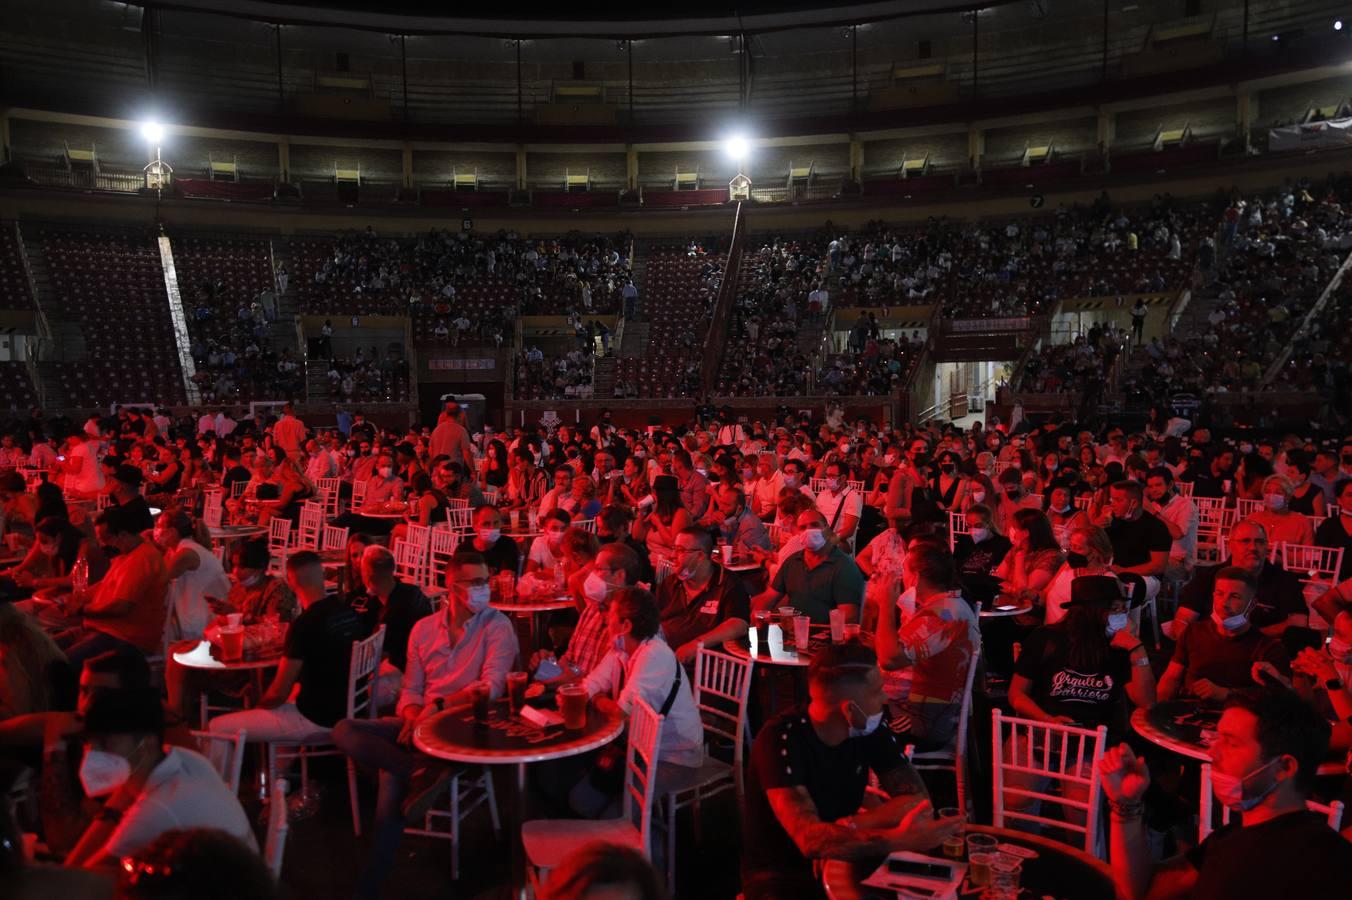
pixel 607 772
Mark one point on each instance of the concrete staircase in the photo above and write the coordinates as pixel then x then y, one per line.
pixel 603 384
pixel 67 342
pixel 283 331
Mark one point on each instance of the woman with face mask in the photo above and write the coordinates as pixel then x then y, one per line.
pixel 668 517
pixel 948 484
pixel 1078 672
pixel 47 565
pixel 1089 551
pixel 1032 561
pixel 1283 525
pixel 641 665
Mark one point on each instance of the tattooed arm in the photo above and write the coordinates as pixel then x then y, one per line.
pixel 852 838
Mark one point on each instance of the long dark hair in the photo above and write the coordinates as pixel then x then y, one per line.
pixel 1086 628
pixel 1039 528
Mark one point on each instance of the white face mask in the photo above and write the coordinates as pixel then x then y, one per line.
pixel 595 588
pixel 833 484
pixel 870 725
pixel 978 496
pixel 619 644
pixel 477 597
pixel 102 772
pixel 490 535
pixel 790 481
pixel 980 534
pixel 814 539
pixel 1116 622
pixel 1230 624
pixel 386 471
pixel 1275 502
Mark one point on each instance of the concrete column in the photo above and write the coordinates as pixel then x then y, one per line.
pixel 284 160
pixel 856 158
pixel 1106 132
pixel 408 166
pixel 976 147
pixel 630 167
pixel 521 167
pixel 1244 116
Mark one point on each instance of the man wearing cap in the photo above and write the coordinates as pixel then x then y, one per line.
pixel 125 494
pixel 450 438
pixel 149 789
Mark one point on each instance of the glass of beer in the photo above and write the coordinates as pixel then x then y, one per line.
pixel 573 705
pixel 481 694
pixel 232 642
pixel 516 691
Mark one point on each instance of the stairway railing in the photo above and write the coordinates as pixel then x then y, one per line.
pixel 1280 362
pixel 717 338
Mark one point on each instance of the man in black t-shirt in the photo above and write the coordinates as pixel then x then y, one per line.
pixel 1264 760
pixel 499 551
pixel 1141 542
pixel 125 493
pixel 395 604
pixel 318 652
pixel 1279 600
pixel 809 770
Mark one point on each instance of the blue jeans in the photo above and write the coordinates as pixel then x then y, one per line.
pixel 373 744
pixel 88 643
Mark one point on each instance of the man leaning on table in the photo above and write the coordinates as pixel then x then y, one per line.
pixel 808 774
pixel 448 654
pixel 1268 747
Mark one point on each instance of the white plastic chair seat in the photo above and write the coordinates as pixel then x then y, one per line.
pixel 548 842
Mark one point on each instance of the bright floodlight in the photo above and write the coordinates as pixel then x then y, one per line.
pixel 1337 24
pixel 152 132
pixel 738 147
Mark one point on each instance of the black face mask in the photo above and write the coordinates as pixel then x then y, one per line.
pixel 948 470
pixel 1347 459
pixel 1076 560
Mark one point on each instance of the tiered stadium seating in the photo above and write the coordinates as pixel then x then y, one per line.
pixel 15 290
pixel 113 285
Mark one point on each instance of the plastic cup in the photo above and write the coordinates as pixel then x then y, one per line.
pixel 837 626
pixel 234 620
pixel 981 843
pixel 573 706
pixel 481 695
pixel 725 553
pixel 979 868
pixel 953 847
pixel 760 618
pixel 516 690
pixel 802 626
pixel 851 631
pixel 232 642
pixel 1005 872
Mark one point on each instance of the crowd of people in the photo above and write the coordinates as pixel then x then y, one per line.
pixel 668 540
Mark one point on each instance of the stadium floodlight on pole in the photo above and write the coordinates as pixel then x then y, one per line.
pixel 157 173
pixel 737 147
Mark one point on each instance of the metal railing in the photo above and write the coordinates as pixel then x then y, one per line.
pixel 717 337
pixel 1280 362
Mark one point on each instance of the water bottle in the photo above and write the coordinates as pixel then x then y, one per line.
pixel 79 574
pixel 558 574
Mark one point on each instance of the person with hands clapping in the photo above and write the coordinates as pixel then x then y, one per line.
pixel 1267 749
pixel 1330 670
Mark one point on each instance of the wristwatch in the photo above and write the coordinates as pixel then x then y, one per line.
pixel 1333 684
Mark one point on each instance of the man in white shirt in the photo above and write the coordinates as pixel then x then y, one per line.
pixel 642 665
pixel 841 504
pixel 206 423
pixel 150 790
pixel 1179 515
pixel 322 462
pixel 224 424
pixel 84 476
pixel 470 647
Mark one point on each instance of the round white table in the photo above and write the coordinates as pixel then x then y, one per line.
pixel 507 740
pixel 535 610
pixel 1182 726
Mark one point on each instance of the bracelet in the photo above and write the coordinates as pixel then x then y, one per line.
pixel 1126 809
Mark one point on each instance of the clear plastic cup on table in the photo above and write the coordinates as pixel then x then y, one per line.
pixel 1005 873
pixel 802 631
